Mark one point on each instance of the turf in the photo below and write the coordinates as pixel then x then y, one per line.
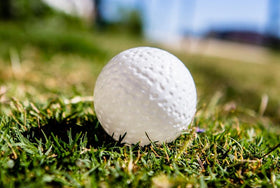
pixel 50 136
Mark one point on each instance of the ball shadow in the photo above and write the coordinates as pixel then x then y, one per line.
pixel 88 126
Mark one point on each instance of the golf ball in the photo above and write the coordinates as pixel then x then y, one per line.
pixel 146 94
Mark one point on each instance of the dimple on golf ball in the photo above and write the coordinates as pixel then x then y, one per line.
pixel 146 94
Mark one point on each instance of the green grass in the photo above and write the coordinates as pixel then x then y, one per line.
pixel 49 140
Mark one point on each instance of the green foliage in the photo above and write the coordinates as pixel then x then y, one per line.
pixel 48 39
pixel 58 144
pixel 130 24
pixel 24 9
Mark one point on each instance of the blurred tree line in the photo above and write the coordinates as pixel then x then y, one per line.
pixel 32 23
pixel 22 9
pixel 131 21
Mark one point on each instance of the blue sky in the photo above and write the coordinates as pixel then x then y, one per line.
pixel 241 13
pixel 170 18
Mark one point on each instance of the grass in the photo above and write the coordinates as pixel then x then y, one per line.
pixel 50 137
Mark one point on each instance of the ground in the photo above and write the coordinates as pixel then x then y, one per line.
pixel 50 137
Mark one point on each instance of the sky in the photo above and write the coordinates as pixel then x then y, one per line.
pixel 241 13
pixel 170 19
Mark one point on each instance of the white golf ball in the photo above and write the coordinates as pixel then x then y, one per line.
pixel 147 94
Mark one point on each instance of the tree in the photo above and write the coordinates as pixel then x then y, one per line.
pixel 5 9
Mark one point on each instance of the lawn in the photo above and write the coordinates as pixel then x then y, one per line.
pixel 50 136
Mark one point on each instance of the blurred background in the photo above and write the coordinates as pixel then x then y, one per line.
pixel 52 48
